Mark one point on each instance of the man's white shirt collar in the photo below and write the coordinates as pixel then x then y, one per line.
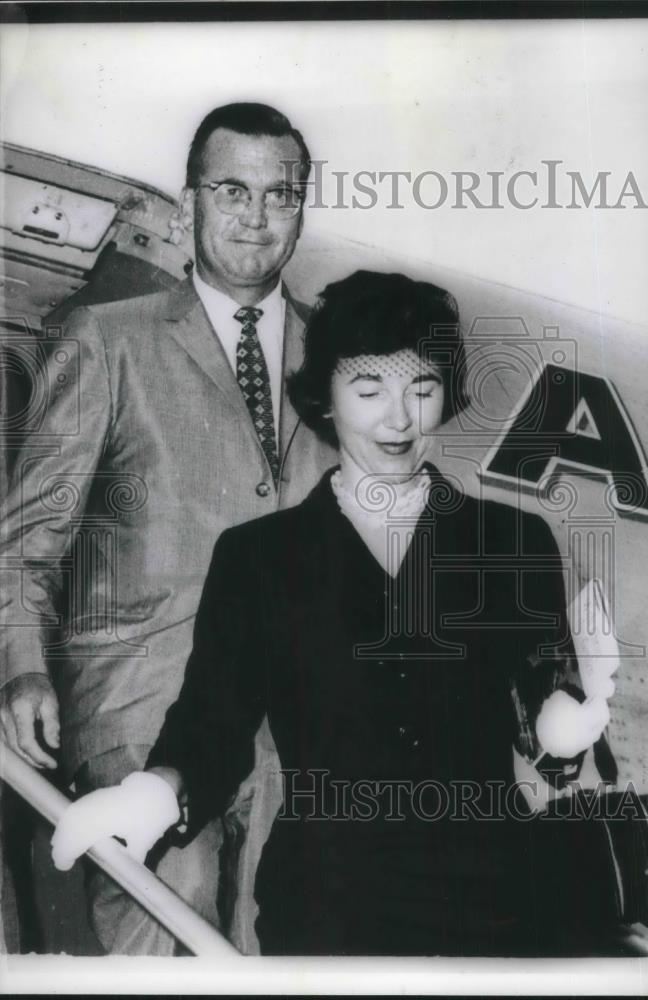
pixel 220 309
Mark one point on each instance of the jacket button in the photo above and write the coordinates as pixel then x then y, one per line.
pixel 263 490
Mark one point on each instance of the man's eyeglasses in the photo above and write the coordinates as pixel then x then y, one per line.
pixel 232 199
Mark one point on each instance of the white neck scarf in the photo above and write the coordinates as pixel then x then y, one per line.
pixel 376 502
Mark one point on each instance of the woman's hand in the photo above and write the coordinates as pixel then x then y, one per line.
pixel 139 810
pixel 565 727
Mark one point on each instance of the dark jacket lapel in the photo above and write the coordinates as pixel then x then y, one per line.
pixel 452 514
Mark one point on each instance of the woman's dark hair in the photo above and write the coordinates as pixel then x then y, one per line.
pixel 374 313
pixel 245 118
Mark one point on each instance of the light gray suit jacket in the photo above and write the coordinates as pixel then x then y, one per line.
pixel 145 453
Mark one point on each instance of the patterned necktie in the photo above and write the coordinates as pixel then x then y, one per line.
pixel 252 376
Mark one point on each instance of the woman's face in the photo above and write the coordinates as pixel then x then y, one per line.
pixel 384 409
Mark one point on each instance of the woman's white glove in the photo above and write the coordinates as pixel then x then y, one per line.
pixel 565 726
pixel 139 810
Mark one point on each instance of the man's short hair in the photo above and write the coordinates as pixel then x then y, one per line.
pixel 247 119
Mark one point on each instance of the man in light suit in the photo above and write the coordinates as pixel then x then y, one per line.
pixel 167 422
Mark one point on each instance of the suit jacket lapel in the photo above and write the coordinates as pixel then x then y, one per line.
pixel 293 355
pixel 190 326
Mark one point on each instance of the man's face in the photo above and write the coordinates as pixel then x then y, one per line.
pixel 242 255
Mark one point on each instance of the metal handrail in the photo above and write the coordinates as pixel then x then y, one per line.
pixel 161 902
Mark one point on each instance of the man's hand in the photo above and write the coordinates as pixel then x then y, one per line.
pixel 23 700
pixel 139 811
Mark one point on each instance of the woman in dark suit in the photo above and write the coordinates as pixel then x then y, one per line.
pixel 403 640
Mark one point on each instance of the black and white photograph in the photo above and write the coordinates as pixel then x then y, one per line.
pixel 323 498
